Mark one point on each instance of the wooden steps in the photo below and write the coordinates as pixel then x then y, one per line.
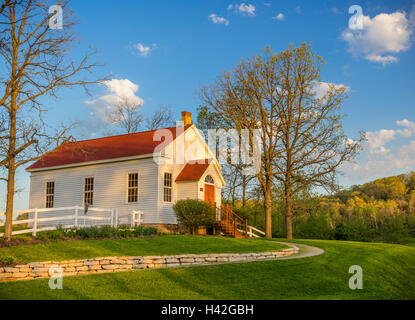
pixel 230 224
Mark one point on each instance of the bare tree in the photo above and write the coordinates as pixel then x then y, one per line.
pixel 237 184
pixel 163 117
pixel 301 133
pixel 245 99
pixel 312 135
pixel 37 63
pixel 127 115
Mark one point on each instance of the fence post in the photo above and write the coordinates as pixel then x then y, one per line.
pixel 246 228
pixel 76 216
pixel 133 219
pixel 35 224
pixel 116 217
pixel 112 217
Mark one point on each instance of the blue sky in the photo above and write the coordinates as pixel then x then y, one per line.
pixel 185 44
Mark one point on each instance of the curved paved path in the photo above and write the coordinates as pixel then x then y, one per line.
pixel 38 270
pixel 305 251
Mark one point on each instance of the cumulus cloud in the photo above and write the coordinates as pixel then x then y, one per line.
pixel 381 163
pixel 246 9
pixel 409 128
pixel 379 138
pixel 321 88
pixel 118 90
pixel 381 38
pixel 380 159
pixel 279 16
pixel 142 50
pixel 218 20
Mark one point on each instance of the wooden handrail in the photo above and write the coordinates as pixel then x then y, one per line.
pixel 234 222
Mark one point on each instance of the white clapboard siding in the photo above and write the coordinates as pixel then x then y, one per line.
pixel 110 187
pixel 187 190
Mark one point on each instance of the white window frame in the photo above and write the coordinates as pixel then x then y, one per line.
pixel 84 191
pixel 210 183
pixel 171 187
pixel 46 194
pixel 128 187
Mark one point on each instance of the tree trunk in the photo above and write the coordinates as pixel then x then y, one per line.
pixel 243 191
pixel 9 205
pixel 11 173
pixel 268 217
pixel 288 209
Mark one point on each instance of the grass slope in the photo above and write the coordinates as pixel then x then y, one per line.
pixel 165 245
pixel 388 273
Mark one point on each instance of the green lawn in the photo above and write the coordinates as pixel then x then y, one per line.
pixel 165 245
pixel 388 273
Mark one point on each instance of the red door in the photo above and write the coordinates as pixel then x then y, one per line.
pixel 210 194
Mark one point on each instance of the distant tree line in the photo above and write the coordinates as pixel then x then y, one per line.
pixel 380 210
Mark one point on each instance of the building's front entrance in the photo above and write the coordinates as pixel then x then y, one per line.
pixel 210 194
pixel 210 191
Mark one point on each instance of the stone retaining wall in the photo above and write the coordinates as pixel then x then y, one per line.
pixel 38 270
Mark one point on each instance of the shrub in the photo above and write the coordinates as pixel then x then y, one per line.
pixel 315 226
pixel 340 232
pixel 395 230
pixel 102 232
pixel 23 216
pixel 194 214
pixel 7 260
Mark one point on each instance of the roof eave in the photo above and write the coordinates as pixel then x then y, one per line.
pixel 90 163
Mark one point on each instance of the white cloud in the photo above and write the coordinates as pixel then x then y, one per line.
pixel 118 90
pixel 247 9
pixel 142 50
pixel 380 38
pixel 381 59
pixel 321 88
pixel 218 20
pixel 381 163
pixel 279 16
pixel 379 138
pixel 379 159
pixel 409 128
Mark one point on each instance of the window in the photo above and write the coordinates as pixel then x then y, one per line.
pixel 132 187
pixel 50 194
pixel 209 180
pixel 168 178
pixel 89 191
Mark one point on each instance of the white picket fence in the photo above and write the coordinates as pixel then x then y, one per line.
pixel 136 218
pixel 39 223
pixel 253 232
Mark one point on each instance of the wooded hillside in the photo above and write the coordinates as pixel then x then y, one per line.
pixel 380 210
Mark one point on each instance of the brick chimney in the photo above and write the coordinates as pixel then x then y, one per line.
pixel 186 118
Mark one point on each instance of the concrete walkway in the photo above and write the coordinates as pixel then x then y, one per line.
pixel 305 251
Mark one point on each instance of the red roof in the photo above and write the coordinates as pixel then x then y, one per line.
pixel 193 172
pixel 123 146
